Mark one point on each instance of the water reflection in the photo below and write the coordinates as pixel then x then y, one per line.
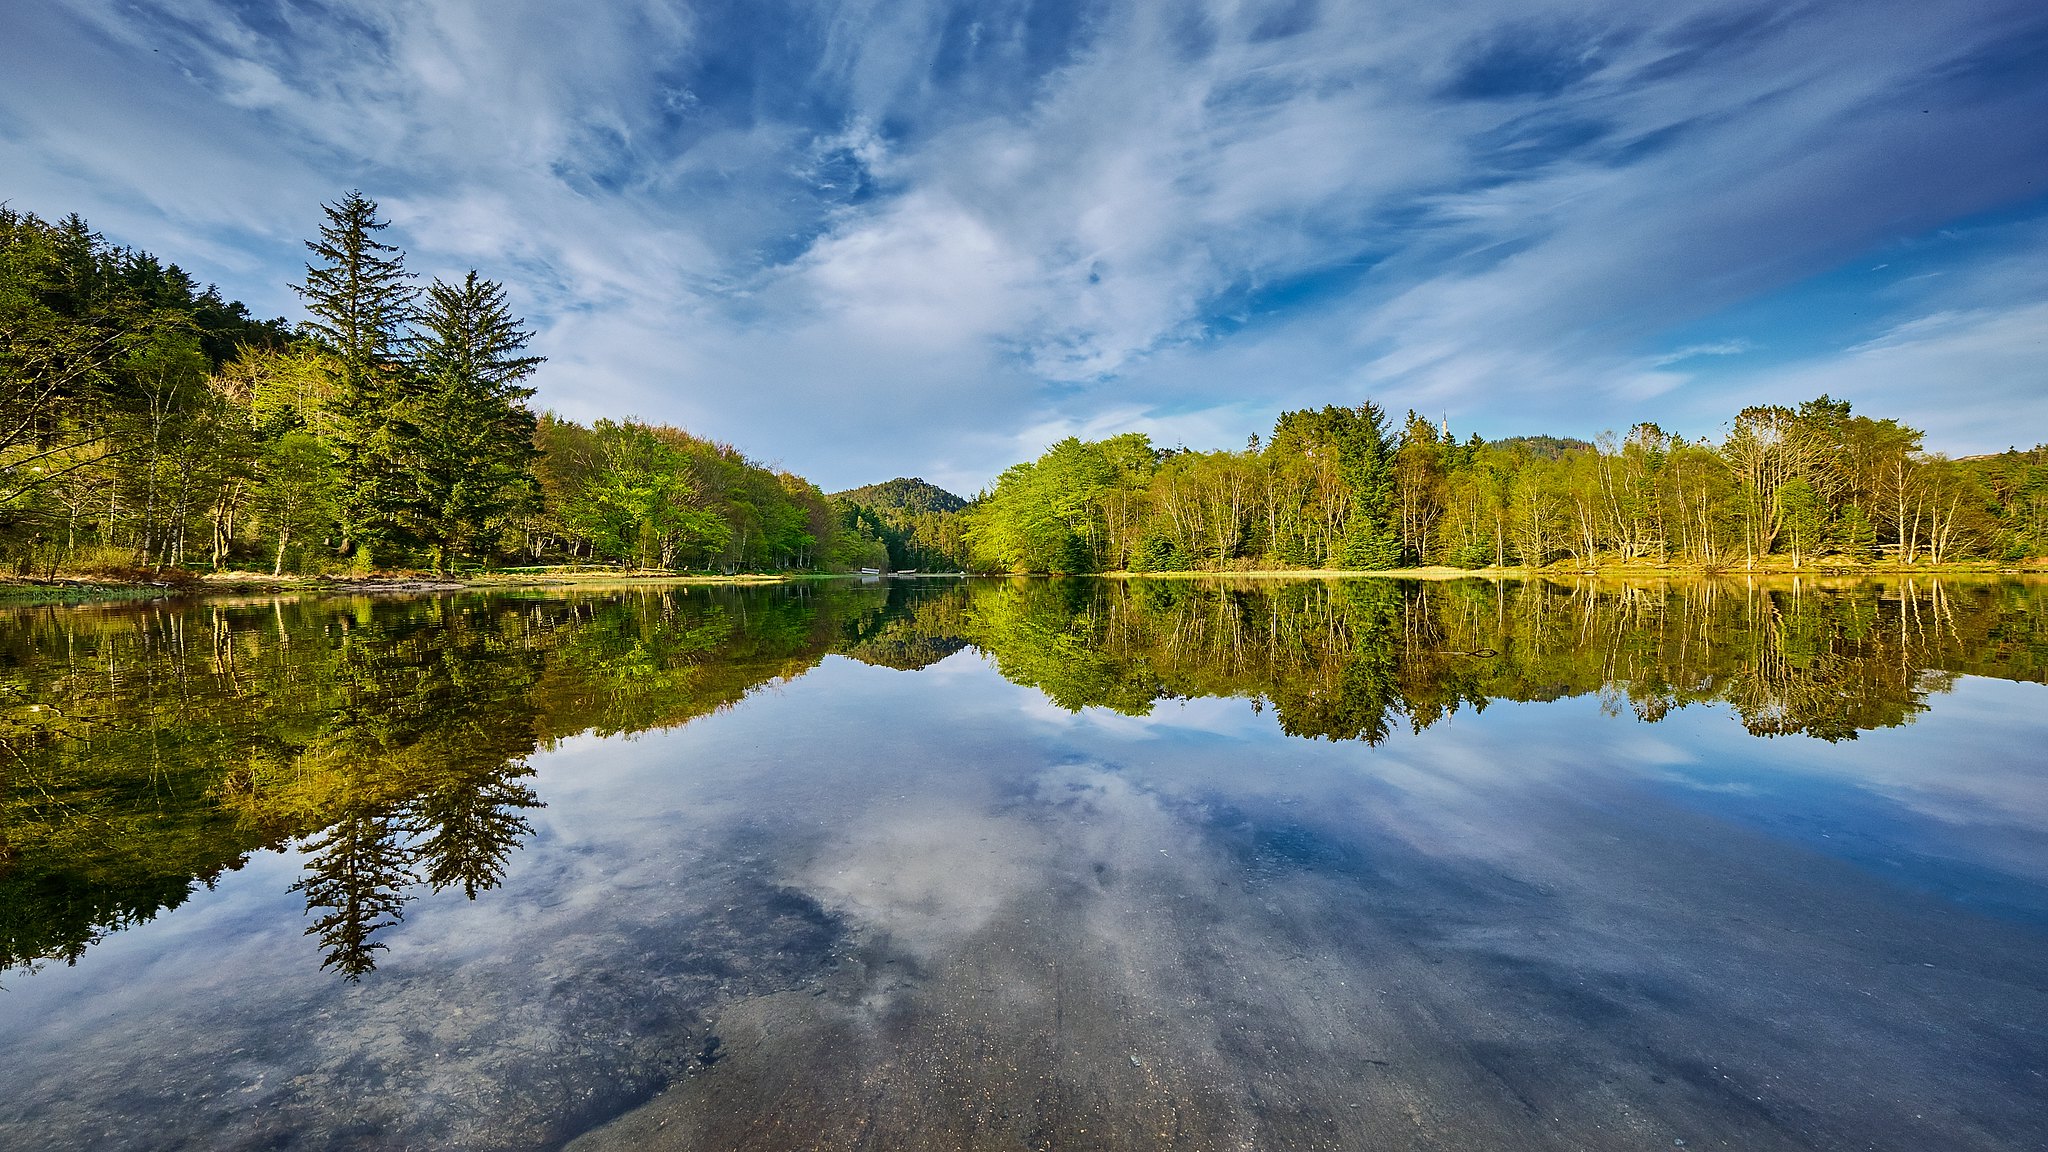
pixel 1339 865
pixel 1346 661
pixel 149 749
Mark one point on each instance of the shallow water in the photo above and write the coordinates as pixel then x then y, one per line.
pixel 1031 864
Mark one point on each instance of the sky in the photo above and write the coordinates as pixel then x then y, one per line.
pixel 912 237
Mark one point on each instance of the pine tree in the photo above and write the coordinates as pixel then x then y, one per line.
pixel 473 466
pixel 1365 451
pixel 361 298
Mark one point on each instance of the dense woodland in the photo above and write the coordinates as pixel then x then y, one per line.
pixel 148 425
pixel 919 523
pixel 1346 488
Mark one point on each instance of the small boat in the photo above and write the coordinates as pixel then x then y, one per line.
pixel 871 571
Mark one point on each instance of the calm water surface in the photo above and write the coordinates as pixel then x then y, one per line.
pixel 1031 865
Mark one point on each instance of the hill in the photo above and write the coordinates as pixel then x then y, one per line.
pixel 1545 447
pixel 920 523
pixel 903 494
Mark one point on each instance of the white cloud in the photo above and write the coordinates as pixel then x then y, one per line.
pixel 867 245
pixel 1975 381
pixel 1717 348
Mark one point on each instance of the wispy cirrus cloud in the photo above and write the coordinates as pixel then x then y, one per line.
pixel 870 237
pixel 1691 351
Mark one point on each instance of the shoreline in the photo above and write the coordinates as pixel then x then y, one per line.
pixel 82 590
pixel 62 590
pixel 1626 572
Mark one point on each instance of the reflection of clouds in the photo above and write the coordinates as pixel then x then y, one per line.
pixel 1968 777
pixel 928 872
pixel 935 811
pixel 1226 716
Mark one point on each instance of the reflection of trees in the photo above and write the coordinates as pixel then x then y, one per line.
pixel 468 828
pixel 356 873
pixel 146 749
pixel 149 748
pixel 913 630
pixel 424 744
pixel 1348 660
pixel 361 869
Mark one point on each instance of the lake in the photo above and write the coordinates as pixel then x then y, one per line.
pixel 1031 864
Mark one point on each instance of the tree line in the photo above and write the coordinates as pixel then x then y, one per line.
pixel 148 425
pixel 1345 488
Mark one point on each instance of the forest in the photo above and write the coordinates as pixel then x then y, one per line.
pixel 150 427
pixel 1347 488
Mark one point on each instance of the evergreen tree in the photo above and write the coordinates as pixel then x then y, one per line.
pixel 1365 451
pixel 473 465
pixel 361 298
pixel 1345 456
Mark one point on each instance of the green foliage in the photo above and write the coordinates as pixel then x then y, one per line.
pixel 919 524
pixel 472 462
pixel 1805 517
pixel 639 502
pixel 657 497
pixel 1158 553
pixel 1543 447
pixel 104 356
pixel 1047 516
pixel 1856 534
pixel 864 540
pixel 903 494
pixel 297 478
pixel 361 298
pixel 147 425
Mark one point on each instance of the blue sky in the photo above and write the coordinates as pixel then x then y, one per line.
pixel 874 238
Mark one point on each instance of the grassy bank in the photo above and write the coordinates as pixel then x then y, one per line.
pixel 95 588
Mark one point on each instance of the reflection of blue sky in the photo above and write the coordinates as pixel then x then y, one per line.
pixel 1022 218
pixel 1956 802
pixel 923 807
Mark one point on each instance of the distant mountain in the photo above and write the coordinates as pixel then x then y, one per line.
pixel 903 494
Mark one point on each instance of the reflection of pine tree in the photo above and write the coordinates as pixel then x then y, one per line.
pixel 1355 699
pixel 469 826
pixel 357 872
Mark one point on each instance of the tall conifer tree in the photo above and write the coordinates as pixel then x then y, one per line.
pixel 361 298
pixel 474 461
